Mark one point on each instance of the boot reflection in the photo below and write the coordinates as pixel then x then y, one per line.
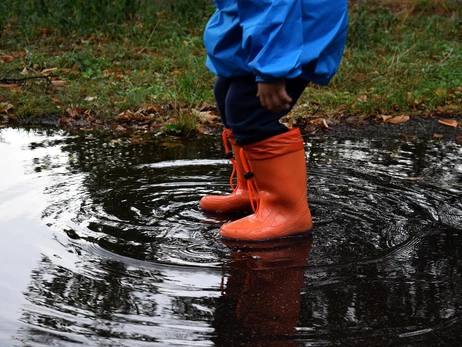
pixel 260 304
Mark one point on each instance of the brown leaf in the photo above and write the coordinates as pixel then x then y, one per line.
pixel 153 108
pixel 7 58
pixel 59 83
pixel 449 122
pixel 206 117
pixel 47 71
pixel 200 128
pixel 119 128
pixel 10 86
pixel 56 101
pixel 384 117
pixel 398 119
pixel 206 107
pixel 438 136
pixel 75 112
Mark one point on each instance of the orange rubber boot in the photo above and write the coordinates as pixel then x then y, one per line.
pixel 238 200
pixel 278 168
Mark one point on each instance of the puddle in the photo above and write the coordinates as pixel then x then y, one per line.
pixel 103 244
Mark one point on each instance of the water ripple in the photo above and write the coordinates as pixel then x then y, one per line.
pixel 133 261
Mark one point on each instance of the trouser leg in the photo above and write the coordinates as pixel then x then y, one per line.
pixel 245 116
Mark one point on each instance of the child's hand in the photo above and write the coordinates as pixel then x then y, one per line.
pixel 273 96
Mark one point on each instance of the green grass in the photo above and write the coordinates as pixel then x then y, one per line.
pixel 146 59
pixel 395 62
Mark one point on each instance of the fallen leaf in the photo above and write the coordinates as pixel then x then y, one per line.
pixel 12 86
pixel 47 71
pixel 7 58
pixel 449 122
pixel 398 119
pixel 385 118
pixel 25 72
pixel 438 136
pixel 74 112
pixel 56 101
pixel 91 98
pixel 206 117
pixel 200 128
pixel 153 108
pixel 443 110
pixel 206 107
pixel 59 83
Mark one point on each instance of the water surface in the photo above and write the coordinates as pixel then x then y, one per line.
pixel 103 244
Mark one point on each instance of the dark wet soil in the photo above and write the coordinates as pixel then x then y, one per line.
pixel 424 128
pixel 417 127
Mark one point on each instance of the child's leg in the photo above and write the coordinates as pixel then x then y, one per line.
pixel 273 158
pixel 220 90
pixel 238 200
pixel 248 120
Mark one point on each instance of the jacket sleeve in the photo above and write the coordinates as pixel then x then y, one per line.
pixel 272 37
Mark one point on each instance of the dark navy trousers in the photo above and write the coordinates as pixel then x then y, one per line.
pixel 240 109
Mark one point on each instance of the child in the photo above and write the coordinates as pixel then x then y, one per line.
pixel 264 53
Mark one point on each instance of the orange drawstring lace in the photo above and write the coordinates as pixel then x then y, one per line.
pixel 251 186
pixel 230 156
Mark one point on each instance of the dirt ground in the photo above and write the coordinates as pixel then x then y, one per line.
pixel 422 128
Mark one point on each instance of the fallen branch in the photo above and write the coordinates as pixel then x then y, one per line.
pixel 25 79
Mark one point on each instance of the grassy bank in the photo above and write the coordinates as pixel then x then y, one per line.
pixel 132 63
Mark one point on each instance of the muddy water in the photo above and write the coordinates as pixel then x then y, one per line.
pixel 102 244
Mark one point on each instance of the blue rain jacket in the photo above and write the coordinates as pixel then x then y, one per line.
pixel 274 39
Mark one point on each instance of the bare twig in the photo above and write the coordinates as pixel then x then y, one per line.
pixel 149 39
pixel 24 79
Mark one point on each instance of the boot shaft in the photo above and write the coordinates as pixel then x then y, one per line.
pixel 279 168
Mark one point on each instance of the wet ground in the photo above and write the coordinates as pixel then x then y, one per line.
pixel 103 244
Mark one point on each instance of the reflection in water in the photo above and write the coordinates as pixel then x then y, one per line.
pixel 260 305
pixel 125 257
